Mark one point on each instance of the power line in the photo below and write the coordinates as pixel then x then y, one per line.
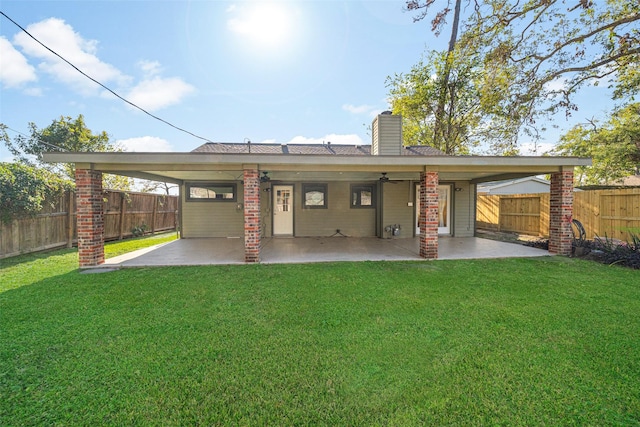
pixel 27 136
pixel 102 85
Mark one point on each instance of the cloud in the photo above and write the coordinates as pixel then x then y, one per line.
pixel 150 68
pixel 362 109
pixel 62 39
pixel 145 144
pixel 153 92
pixel 157 92
pixel 15 71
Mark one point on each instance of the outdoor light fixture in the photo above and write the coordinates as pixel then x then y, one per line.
pixel 265 177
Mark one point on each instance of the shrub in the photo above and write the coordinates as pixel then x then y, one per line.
pixel 25 189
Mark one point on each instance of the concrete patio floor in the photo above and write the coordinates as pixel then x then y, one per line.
pixel 315 249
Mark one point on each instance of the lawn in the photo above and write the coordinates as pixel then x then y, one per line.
pixel 541 341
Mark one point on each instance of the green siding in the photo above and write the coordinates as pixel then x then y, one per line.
pixel 396 210
pixel 212 219
pixel 338 215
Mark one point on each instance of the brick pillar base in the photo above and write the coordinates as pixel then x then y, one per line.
pixel 90 217
pixel 252 229
pixel 429 215
pixel 561 213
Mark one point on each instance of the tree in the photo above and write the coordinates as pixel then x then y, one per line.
pixel 25 189
pixel 536 55
pixel 64 134
pixel 445 90
pixel 148 186
pixel 613 146
pixel 464 121
pixel 416 95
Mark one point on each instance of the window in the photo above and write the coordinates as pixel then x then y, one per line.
pixel 314 196
pixel 211 191
pixel 363 196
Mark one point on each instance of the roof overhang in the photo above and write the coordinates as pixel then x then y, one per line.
pixel 180 167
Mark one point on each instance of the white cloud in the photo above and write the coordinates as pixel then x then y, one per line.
pixel 62 39
pixel 369 110
pixel 357 109
pixel 350 139
pixel 149 144
pixel 15 71
pixel 157 92
pixel 150 68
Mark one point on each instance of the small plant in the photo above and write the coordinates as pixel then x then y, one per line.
pixel 610 251
pixel 139 230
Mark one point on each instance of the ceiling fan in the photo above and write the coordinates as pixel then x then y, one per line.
pixel 385 178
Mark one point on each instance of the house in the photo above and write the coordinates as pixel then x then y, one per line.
pixel 254 191
pixel 526 185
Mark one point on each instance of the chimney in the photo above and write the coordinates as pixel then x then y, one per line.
pixel 386 134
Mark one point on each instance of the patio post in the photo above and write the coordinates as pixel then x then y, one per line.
pixel 90 217
pixel 252 229
pixel 561 212
pixel 429 215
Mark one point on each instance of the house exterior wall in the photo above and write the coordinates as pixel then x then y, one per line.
pixel 212 218
pixel 396 210
pixel 464 212
pixel 525 187
pixel 338 215
pixel 201 219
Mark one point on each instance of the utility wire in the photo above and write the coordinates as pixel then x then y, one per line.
pixel 27 136
pixel 102 85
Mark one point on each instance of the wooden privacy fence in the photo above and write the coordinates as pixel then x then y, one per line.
pixel 611 213
pixel 125 214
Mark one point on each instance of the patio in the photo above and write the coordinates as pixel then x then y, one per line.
pixel 210 251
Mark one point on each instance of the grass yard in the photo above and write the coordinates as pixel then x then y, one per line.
pixel 540 341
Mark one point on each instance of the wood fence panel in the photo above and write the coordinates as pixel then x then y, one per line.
pixel 619 215
pixel 55 225
pixel 610 213
pixel 520 214
pixel 488 212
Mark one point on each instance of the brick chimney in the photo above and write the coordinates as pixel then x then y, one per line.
pixel 386 134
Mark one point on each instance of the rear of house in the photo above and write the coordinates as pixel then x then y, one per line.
pixel 305 202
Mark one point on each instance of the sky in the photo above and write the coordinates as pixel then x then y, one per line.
pixel 225 71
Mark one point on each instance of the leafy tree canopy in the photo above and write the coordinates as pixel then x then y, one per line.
pixel 63 134
pixel 534 56
pixel 25 189
pixel 614 147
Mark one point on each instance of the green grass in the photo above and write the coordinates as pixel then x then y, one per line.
pixel 544 341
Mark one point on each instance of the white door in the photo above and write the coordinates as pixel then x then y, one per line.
pixel 283 210
pixel 444 209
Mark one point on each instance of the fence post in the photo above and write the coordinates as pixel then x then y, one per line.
pixel 155 211
pixel 123 208
pixel 70 208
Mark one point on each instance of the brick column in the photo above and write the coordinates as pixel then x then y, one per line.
pixel 252 228
pixel 90 217
pixel 561 212
pixel 429 215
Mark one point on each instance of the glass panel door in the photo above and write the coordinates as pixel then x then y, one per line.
pixel 283 210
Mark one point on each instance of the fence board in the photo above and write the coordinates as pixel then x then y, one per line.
pixel 54 226
pixel 610 213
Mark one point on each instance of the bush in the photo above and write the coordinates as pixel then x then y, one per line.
pixel 25 189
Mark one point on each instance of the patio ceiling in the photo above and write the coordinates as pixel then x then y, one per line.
pixel 180 167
